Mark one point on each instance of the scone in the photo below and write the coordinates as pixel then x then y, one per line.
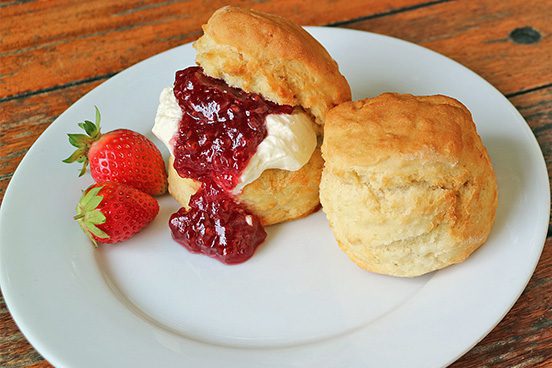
pixel 270 56
pixel 408 187
pixel 243 129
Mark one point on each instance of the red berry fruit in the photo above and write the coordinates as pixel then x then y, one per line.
pixel 111 212
pixel 122 156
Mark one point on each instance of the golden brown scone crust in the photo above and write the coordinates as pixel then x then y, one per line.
pixel 271 56
pixel 407 186
pixel 276 196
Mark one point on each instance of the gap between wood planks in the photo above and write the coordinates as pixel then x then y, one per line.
pixel 106 76
pixel 384 14
pixel 16 2
pixel 334 24
pixel 529 90
pixel 58 87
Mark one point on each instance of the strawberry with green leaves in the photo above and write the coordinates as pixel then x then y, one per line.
pixel 122 156
pixel 111 212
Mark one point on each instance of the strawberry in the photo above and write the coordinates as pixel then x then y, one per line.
pixel 122 156
pixel 112 212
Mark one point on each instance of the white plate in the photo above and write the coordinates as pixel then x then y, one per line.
pixel 298 302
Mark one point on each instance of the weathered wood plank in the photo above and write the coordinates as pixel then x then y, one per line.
pixel 64 41
pixel 15 350
pixel 536 108
pixel 477 34
pixel 24 119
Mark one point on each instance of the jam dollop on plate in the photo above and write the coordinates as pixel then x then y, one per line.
pixel 220 131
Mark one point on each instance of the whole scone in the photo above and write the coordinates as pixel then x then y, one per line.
pixel 408 187
pixel 271 56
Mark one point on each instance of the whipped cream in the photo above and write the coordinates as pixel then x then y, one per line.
pixel 167 118
pixel 289 144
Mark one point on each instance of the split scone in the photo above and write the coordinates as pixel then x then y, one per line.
pixel 407 186
pixel 270 57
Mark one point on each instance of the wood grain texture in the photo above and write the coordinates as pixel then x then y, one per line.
pixel 536 107
pixel 25 119
pixel 15 351
pixel 104 37
pixel 53 52
pixel 476 33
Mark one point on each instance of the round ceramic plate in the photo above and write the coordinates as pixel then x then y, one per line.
pixel 299 302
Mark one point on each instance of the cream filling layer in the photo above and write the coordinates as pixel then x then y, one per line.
pixel 289 144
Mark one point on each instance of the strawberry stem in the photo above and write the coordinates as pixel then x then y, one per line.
pixel 89 215
pixel 83 142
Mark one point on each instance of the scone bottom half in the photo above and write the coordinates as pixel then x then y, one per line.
pixel 408 187
pixel 276 196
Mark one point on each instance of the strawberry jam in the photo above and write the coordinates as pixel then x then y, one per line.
pixel 217 226
pixel 220 131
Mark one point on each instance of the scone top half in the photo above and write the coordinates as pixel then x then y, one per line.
pixel 271 56
pixel 408 186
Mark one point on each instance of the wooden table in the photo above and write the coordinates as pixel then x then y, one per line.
pixel 53 52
